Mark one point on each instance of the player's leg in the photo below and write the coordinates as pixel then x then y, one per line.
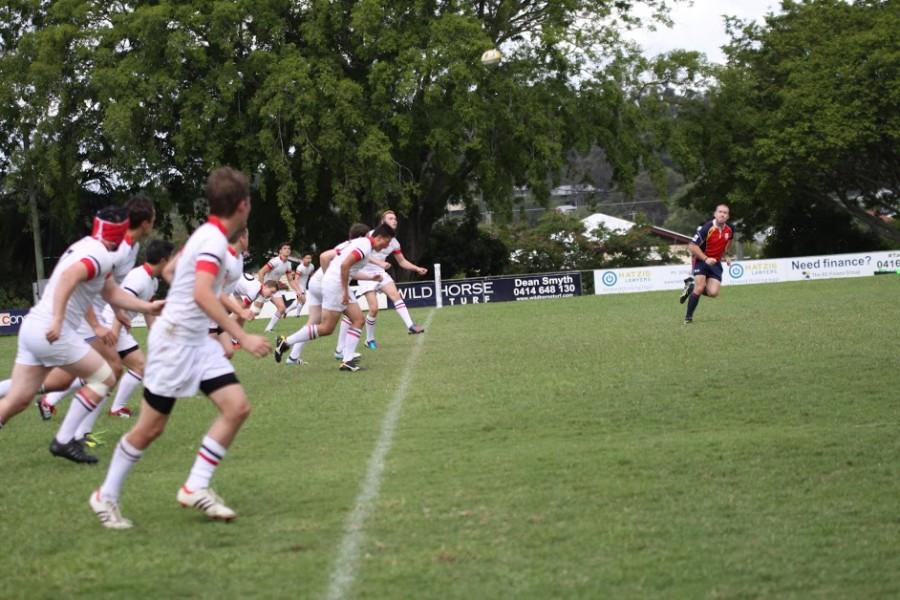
pixel 229 397
pixel 280 308
pixel 694 299
pixel 111 355
pixel 99 379
pixel 712 287
pixel 24 384
pixel 134 361
pixel 344 326
pixel 315 317
pixel 151 423
pixel 371 317
pixel 354 315
pixel 308 332
pixel 393 293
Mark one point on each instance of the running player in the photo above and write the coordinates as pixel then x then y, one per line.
pixel 49 334
pixel 314 292
pixel 337 296
pixel 303 272
pixel 183 359
pixel 142 282
pixel 708 248
pixel 279 266
pixel 370 288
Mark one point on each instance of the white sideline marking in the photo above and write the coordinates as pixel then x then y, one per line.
pixel 344 571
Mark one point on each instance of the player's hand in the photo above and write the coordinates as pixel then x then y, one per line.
pixel 107 336
pixel 123 318
pixel 728 260
pixel 53 332
pixel 345 298
pixel 256 345
pixel 246 314
pixel 156 307
pixel 387 265
pixel 710 261
pixel 377 277
pixel 229 350
pixel 421 270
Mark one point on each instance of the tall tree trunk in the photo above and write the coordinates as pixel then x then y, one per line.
pixel 36 231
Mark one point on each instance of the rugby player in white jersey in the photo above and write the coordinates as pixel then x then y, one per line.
pixel 279 266
pixel 370 288
pixel 314 291
pixel 49 335
pixel 99 331
pixel 303 272
pixel 182 358
pixel 337 297
pixel 142 282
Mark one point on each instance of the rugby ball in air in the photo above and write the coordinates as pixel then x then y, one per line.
pixel 491 57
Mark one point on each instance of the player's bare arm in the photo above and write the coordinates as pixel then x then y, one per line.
pixel 69 279
pixel 208 301
pixel 406 264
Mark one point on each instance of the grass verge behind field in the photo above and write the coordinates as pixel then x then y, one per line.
pixel 581 448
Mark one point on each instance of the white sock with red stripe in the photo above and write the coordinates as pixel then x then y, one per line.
pixel 124 457
pixel 4 387
pixel 351 340
pixel 370 328
pixel 82 406
pixel 209 456
pixel 304 334
pixel 401 309
pixel 127 385
pixel 273 322
pixel 53 398
pixel 342 333
pixel 296 349
pixel 87 424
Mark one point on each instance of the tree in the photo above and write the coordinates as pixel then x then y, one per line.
pixel 801 132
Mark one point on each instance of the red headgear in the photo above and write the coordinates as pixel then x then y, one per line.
pixel 109 231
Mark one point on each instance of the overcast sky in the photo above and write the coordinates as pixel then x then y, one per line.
pixel 700 27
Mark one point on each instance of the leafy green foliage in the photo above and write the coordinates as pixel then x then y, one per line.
pixel 801 133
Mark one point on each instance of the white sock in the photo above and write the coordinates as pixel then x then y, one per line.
pixel 4 387
pixel 124 457
pixel 296 349
pixel 342 333
pixel 53 398
pixel 304 334
pixel 80 408
pixel 370 328
pixel 401 309
pixel 273 322
pixel 209 456
pixel 87 423
pixel 127 385
pixel 352 339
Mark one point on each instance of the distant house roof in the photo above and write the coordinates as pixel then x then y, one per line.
pixel 621 226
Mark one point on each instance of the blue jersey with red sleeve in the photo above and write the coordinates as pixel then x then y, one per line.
pixel 713 241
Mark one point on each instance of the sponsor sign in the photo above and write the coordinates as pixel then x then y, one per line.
pixel 640 279
pixel 11 319
pixel 492 289
pixel 671 277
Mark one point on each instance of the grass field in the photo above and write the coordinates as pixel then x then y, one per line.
pixel 582 448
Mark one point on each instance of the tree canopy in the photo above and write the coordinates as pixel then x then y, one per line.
pixel 800 133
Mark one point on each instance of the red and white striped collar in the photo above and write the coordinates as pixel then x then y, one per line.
pixel 214 220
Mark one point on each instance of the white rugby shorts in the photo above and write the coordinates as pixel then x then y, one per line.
pixel 367 285
pixel 314 293
pixel 175 369
pixel 332 294
pixel 34 349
